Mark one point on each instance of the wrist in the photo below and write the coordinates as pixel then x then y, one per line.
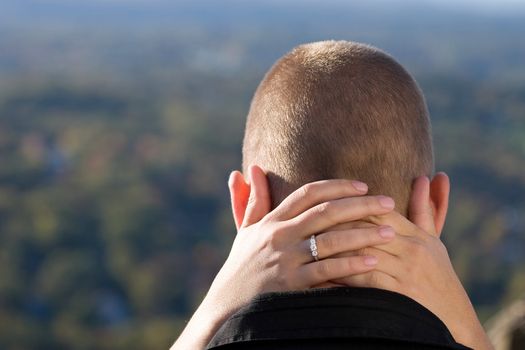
pixel 467 329
pixel 475 338
pixel 207 319
pixel 200 329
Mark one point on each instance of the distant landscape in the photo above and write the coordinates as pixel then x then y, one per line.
pixel 120 122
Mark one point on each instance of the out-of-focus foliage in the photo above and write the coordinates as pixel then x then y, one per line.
pixel 118 129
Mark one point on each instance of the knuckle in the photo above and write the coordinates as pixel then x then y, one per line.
pixel 274 237
pixel 324 209
pixel 268 219
pixel 327 242
pixel 352 264
pixel 369 203
pixel 279 230
pixel 322 270
pixel 308 191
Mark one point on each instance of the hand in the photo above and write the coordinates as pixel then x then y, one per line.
pixel 416 264
pixel 271 250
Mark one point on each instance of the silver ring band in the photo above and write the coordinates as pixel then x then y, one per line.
pixel 313 248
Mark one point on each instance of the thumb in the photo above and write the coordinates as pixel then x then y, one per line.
pixel 259 203
pixel 420 210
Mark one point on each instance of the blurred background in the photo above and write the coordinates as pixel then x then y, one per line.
pixel 120 121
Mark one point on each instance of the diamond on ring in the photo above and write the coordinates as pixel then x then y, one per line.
pixel 313 248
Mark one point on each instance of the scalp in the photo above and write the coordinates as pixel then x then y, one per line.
pixel 339 109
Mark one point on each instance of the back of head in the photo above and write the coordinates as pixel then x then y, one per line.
pixel 338 109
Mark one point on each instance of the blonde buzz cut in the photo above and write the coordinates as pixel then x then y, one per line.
pixel 339 109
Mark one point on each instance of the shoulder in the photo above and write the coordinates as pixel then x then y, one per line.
pixel 348 314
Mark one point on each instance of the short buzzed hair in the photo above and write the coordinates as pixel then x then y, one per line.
pixel 339 109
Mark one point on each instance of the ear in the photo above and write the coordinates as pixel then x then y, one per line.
pixel 429 203
pixel 439 194
pixel 239 194
pixel 250 200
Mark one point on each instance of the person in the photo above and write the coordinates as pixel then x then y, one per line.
pixel 337 110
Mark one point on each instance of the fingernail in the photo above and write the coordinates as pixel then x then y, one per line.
pixel 386 232
pixel 386 202
pixel 370 260
pixel 360 186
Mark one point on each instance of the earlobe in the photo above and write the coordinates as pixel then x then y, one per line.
pixel 239 195
pixel 439 195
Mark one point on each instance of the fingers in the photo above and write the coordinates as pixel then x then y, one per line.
pixel 385 275
pixel 401 224
pixel 335 242
pixel 259 202
pixel 314 193
pixel 322 271
pixel 370 279
pixel 399 267
pixel 419 208
pixel 325 215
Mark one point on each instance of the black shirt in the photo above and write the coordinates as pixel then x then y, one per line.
pixel 334 318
